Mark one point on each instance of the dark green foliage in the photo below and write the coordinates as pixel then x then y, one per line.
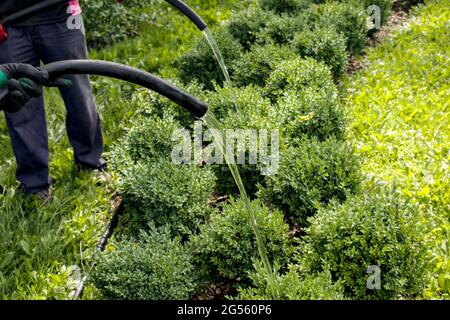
pixel 247 24
pixel 226 102
pixel 291 286
pixel 379 229
pixel 256 66
pixel 226 246
pixel 256 26
pixel 108 22
pixel 254 112
pixel 312 112
pixel 150 139
pixel 345 18
pixel 152 267
pixel 200 64
pixel 325 45
pixel 167 193
pixel 284 6
pixel 281 30
pixel 155 188
pixel 311 174
pixel 295 76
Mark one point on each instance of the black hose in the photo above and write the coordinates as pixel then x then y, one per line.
pixel 117 212
pixel 188 12
pixel 180 5
pixel 30 10
pixel 136 76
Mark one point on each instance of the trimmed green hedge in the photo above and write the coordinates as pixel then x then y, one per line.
pixel 281 30
pixel 312 112
pixel 291 286
pixel 285 57
pixel 325 45
pixel 151 267
pixel 345 18
pixel 311 174
pixel 295 76
pixel 255 66
pixel 246 25
pixel 379 229
pixel 199 64
pixel 253 112
pixel 156 189
pixel 226 246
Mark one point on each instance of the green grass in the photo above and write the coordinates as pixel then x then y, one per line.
pixel 399 111
pixel 44 248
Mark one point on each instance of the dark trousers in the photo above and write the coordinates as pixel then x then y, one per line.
pixel 27 128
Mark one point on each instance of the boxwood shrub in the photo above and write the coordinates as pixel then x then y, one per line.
pixel 247 24
pixel 254 112
pixel 281 30
pixel 325 45
pixel 374 229
pixel 346 18
pixel 225 102
pixel 226 245
pixel 148 140
pixel 291 286
pixel 294 76
pixel 256 65
pixel 312 112
pixel 154 188
pixel 151 267
pixel 200 64
pixel 285 6
pixel 311 174
pixel 167 193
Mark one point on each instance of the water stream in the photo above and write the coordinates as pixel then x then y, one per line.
pixel 219 57
pixel 212 123
pixel 218 54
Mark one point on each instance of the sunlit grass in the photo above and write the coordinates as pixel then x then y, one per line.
pixel 399 109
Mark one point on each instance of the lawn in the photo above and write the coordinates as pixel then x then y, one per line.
pixel 399 113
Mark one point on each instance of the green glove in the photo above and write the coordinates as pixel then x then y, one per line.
pixel 20 70
pixel 18 93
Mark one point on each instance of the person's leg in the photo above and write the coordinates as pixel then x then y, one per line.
pixel 27 128
pixel 55 42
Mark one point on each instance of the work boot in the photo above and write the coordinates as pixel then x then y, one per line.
pixel 100 174
pixel 45 195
